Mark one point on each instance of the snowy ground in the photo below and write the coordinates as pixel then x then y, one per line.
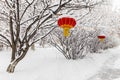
pixel 111 69
pixel 49 64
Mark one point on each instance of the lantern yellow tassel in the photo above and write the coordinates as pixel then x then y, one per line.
pixel 101 40
pixel 66 32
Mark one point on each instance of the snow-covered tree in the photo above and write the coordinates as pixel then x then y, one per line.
pixel 26 19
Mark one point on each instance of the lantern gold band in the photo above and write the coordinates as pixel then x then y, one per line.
pixel 66 26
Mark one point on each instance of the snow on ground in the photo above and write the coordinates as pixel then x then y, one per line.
pixel 111 68
pixel 49 64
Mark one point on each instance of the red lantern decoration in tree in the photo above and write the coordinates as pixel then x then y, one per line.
pixel 101 38
pixel 66 23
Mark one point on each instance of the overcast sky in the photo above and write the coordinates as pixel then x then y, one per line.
pixel 116 5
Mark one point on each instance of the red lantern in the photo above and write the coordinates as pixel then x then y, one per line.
pixel 66 23
pixel 101 38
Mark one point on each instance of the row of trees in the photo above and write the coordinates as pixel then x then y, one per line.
pixel 81 42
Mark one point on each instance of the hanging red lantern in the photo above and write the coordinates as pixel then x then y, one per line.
pixel 101 38
pixel 66 23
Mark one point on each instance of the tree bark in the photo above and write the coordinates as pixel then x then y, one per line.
pixel 11 67
pixel 13 64
pixel 13 55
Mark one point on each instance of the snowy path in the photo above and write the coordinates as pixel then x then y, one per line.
pixel 49 64
pixel 111 68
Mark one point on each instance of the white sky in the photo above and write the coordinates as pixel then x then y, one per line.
pixel 116 5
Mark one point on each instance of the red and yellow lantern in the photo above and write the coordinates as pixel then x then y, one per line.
pixel 101 38
pixel 66 23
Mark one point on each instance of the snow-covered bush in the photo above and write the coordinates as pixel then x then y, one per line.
pixel 81 42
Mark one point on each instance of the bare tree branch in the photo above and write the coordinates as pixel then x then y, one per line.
pixel 42 37
pixel 7 3
pixel 6 39
pixel 26 9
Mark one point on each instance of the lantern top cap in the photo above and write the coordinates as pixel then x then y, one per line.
pixel 101 36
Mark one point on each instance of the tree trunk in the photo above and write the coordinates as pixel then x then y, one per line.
pixel 11 67
pixel 14 63
pixel 13 54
